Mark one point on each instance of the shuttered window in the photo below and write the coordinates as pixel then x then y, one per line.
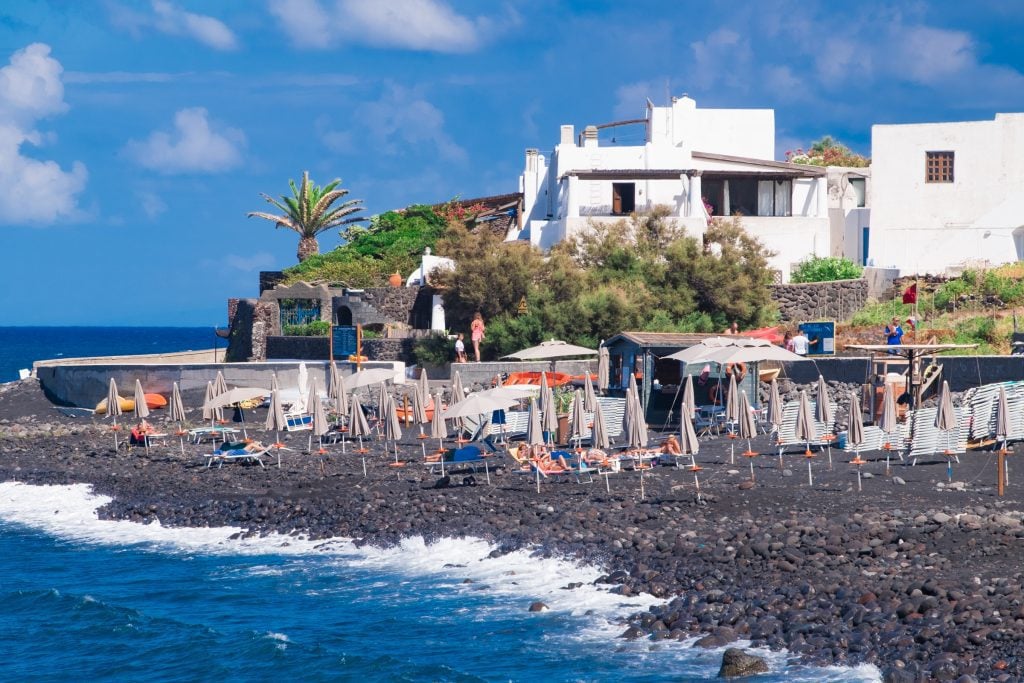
pixel 938 167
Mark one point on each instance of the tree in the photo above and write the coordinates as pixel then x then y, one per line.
pixel 310 211
pixel 828 152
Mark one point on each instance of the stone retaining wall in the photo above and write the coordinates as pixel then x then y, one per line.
pixel 837 300
pixel 389 349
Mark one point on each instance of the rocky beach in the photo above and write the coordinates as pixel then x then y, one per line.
pixel 914 574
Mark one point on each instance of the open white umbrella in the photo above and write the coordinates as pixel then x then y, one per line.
pixel 367 378
pixel 805 430
pixel 552 349
pixel 113 408
pixel 603 368
pixel 357 426
pixel 141 410
pixel 855 433
pixel 176 412
pixel 480 403
pixel 232 397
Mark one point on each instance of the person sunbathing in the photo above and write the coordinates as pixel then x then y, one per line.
pixel 140 432
pixel 545 463
pixel 671 446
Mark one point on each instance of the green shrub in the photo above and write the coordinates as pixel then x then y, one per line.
pixel 316 328
pixel 825 269
pixel 980 330
pixel 433 351
pixel 880 314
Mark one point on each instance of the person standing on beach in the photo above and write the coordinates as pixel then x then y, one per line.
pixel 477 328
pixel 460 349
pixel 894 333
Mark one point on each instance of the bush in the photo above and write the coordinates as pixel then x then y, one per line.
pixel 316 328
pixel 433 351
pixel 825 269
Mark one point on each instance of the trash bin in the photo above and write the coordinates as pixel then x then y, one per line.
pixel 563 429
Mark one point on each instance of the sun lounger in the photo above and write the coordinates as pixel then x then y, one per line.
pixel 233 452
pixel 471 456
pixel 296 422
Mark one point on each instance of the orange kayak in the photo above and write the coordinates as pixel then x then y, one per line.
pixel 554 379
pixel 429 409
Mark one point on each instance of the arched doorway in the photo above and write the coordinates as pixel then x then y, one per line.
pixel 344 316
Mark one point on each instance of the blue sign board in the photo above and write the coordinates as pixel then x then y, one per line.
pixel 343 341
pixel 822 335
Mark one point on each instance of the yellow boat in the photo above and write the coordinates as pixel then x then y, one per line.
pixel 127 405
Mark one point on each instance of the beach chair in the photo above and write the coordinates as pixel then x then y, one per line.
pixel 237 452
pixel 297 422
pixel 471 456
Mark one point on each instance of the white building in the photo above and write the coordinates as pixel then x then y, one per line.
pixel 849 191
pixel 723 156
pixel 947 194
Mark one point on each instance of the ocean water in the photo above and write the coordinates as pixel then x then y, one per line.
pixel 20 346
pixel 102 600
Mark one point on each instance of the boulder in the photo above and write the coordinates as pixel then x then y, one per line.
pixel 736 662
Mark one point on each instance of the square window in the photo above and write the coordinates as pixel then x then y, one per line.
pixel 938 167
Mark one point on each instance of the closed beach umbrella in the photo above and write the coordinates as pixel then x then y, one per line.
pixel 438 427
pixel 747 427
pixel 423 389
pixel 176 413
pixel 341 401
pixel 220 385
pixel 543 396
pixel 275 419
pixel 689 404
pixel 419 414
pixel 732 407
pixel 211 412
pixel 303 384
pixel 688 442
pixel 534 434
pixel 887 419
pixel 855 433
pixel 319 422
pixel 774 406
pixel 805 430
pixel 823 411
pixel 589 396
pixel 578 420
pixel 598 432
pixel 550 415
pixel 392 425
pixel 113 407
pixel 1002 417
pixel 603 367
pixel 141 409
pixel 357 426
pixel 945 416
pixel 336 387
pixel 458 392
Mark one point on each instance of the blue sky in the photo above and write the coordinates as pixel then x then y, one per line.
pixel 135 136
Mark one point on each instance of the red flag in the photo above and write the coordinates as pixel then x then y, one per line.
pixel 910 294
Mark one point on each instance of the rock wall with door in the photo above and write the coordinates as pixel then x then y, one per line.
pixel 837 300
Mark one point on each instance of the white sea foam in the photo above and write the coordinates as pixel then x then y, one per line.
pixel 70 512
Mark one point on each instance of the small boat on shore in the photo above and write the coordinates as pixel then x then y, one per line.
pixel 128 404
pixel 554 379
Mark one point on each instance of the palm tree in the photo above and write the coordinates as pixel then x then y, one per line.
pixel 310 211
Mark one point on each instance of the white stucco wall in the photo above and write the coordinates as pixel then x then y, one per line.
pixel 928 227
pixel 792 239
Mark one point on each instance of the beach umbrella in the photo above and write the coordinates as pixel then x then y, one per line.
pixel 639 420
pixel 1002 430
pixel 367 378
pixel 534 434
pixel 113 407
pixel 231 397
pixel 341 410
pixel 550 416
pixel 578 418
pixel 336 386
pixel 141 410
pixel 946 422
pixel 319 423
pixel 552 349
pixel 689 404
pixel 210 412
pixel 303 384
pixel 382 401
pixel 480 403
pixel 603 368
pixel 458 394
pixel 275 418
pixel 220 386
pixel 438 428
pixel 419 414
pixel 887 421
pixel 357 426
pixel 177 414
pixel 747 428
pixel 823 413
pixel 775 412
pixel 688 442
pixel 589 396
pixel 701 352
pixel 392 426
pixel 805 430
pixel 732 415
pixel 855 433
pixel 598 431
pixel 543 396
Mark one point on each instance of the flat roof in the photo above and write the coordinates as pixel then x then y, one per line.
pixel 678 340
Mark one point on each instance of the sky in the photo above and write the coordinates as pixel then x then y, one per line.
pixel 135 136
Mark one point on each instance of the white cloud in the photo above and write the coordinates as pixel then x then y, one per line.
pixel 250 263
pixel 631 100
pixel 427 25
pixel 193 146
pixel 402 117
pixel 721 60
pixel 174 21
pixel 87 77
pixel 151 203
pixel 34 191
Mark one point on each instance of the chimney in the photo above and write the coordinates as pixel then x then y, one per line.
pixel 590 136
pixel 531 160
pixel 568 133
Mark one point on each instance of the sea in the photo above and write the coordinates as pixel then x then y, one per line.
pixel 100 600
